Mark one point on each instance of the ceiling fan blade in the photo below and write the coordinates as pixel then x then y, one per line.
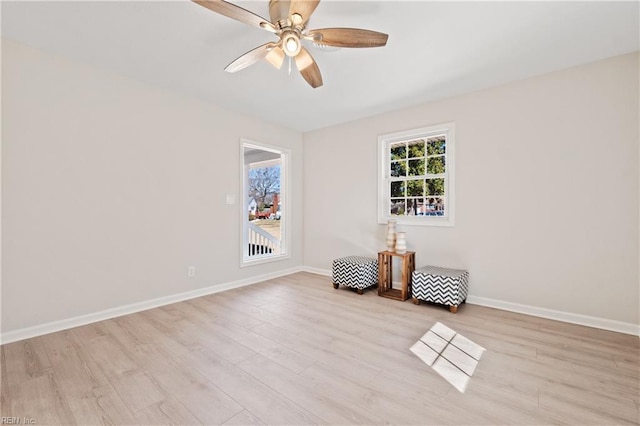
pixel 251 57
pixel 284 9
pixel 304 8
pixel 308 68
pixel 349 37
pixel 236 12
pixel 276 56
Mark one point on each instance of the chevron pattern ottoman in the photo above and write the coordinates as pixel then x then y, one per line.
pixel 440 285
pixel 357 272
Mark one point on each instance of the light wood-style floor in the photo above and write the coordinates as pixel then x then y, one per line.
pixel 295 351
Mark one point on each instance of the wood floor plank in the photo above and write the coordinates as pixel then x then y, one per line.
pixel 5 396
pixel 137 390
pixel 327 406
pixel 89 332
pixel 192 334
pixel 586 407
pixel 40 399
pixel 101 406
pixel 108 356
pixel 385 333
pixel 124 331
pixel 228 305
pixel 269 406
pixel 243 418
pixel 505 371
pixel 248 316
pixel 167 412
pixel 294 350
pixel 378 405
pixel 630 362
pixel 208 403
pixel 25 360
pixel 76 372
pixel 286 357
pixel 603 380
pixel 315 347
pixel 201 397
pixel 189 373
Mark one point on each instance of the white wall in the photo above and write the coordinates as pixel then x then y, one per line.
pixel 570 137
pixel 111 188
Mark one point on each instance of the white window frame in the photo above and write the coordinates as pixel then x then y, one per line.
pixel 285 198
pixel 384 175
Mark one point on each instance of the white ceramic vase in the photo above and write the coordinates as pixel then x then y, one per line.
pixel 401 242
pixel 391 235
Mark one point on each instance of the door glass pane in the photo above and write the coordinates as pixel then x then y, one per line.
pixel 263 191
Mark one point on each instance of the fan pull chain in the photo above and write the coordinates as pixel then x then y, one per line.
pixel 289 65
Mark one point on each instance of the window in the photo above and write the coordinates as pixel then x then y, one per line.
pixel 265 219
pixel 416 176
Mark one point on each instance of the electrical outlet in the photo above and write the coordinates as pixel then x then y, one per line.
pixel 191 271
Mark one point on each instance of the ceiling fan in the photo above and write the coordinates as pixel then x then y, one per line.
pixel 288 21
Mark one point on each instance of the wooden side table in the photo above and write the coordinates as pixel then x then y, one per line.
pixel 385 262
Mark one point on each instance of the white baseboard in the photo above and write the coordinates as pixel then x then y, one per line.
pixel 589 321
pixel 317 271
pixel 51 327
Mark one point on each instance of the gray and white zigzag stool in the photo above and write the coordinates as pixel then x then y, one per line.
pixel 440 285
pixel 357 272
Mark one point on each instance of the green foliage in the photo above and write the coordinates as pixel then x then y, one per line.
pixel 436 145
pixel 397 189
pixel 413 159
pixel 416 149
pixel 435 186
pixel 398 151
pixel 416 167
pixel 398 168
pixel 415 188
pixel 436 165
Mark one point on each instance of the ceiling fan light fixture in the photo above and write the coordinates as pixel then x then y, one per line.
pixel 275 57
pixel 291 44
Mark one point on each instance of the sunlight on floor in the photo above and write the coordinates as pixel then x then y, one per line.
pixel 451 355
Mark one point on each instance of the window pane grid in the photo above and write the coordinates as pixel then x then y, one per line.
pixel 417 174
pixel 418 206
pixel 408 159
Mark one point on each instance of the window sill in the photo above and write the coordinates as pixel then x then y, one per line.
pixel 419 221
pixel 260 260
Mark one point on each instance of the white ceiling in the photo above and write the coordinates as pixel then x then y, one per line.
pixel 435 49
